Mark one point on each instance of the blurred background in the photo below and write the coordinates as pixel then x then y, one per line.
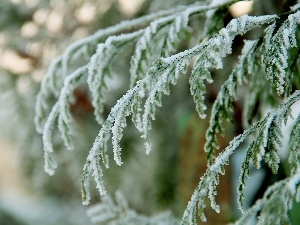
pixel 34 32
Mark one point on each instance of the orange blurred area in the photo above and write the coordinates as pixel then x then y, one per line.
pixel 11 179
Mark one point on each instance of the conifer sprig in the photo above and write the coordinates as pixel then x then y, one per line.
pixel 156 64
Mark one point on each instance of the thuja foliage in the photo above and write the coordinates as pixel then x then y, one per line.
pixel 267 69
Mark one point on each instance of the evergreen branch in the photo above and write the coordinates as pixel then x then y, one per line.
pixel 154 35
pixel 153 69
pixel 274 206
pixel 222 106
pixel 41 106
pixel 60 68
pixel 171 27
pixel 294 146
pixel 115 123
pixel 267 144
pixel 277 41
pixel 99 67
pixel 50 163
pixel 212 52
pixel 157 78
pixel 210 180
pixel 101 35
pixel 257 86
pixel 61 111
pixel 65 116
pixel 163 72
pixel 166 70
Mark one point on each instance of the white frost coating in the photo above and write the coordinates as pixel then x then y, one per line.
pixel 278 199
pixel 65 117
pixel 272 191
pixel 266 133
pixel 247 49
pixel 214 49
pixel 50 83
pixel 98 176
pixel 147 33
pixel 85 185
pixel 286 38
pixel 99 67
pixel 283 55
pixel 158 80
pixel 142 44
pixel 166 71
pixel 295 7
pixel 114 124
pixel 41 106
pixel 225 34
pixel 224 156
pixel 180 23
pixel 158 87
pixel 250 23
pixel 52 75
pixel 211 174
pixel 226 96
pixel 275 57
pixel 243 19
pixel 234 26
pixel 121 110
pixel 294 20
pixel 50 164
pixel 102 34
pixel 263 140
pixel 69 84
pixel 289 32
